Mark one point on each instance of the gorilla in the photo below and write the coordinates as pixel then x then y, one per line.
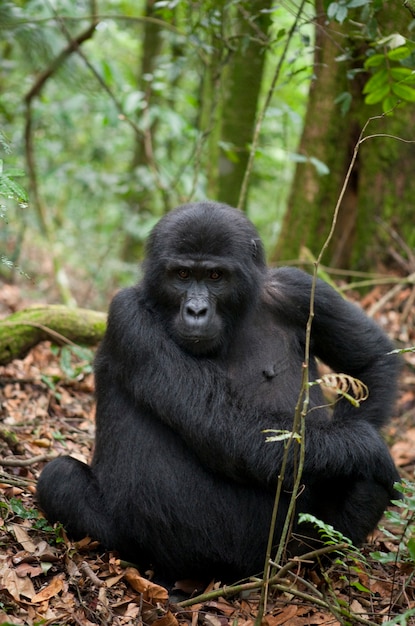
pixel 198 360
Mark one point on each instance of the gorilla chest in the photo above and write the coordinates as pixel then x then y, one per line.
pixel 265 363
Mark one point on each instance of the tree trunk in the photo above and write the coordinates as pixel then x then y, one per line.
pixel 23 330
pixel 382 185
pixel 143 200
pixel 242 87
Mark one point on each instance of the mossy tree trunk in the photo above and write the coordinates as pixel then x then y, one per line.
pixel 242 86
pixel 382 186
pixel 60 324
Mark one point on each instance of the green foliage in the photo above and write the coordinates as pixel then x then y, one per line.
pixel 390 59
pixel 339 10
pixel 393 73
pixel 75 361
pixel 328 533
pixel 9 188
pixel 402 523
pixel 11 191
pixel 114 147
pixel 15 508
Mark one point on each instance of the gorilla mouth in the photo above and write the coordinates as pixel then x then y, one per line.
pixel 199 343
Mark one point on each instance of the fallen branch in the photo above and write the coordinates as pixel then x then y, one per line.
pixel 13 462
pixel 232 590
pixel 15 481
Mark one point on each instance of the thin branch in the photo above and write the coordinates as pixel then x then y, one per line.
pixel 13 462
pixel 72 46
pixel 15 481
pixel 89 573
pixel 122 115
pixel 35 91
pixel 258 583
pixel 410 280
pixel 49 331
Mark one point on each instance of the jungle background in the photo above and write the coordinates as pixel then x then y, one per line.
pixel 112 112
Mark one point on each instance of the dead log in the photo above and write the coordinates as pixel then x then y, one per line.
pixel 23 330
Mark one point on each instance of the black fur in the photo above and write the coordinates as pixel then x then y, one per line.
pixel 197 361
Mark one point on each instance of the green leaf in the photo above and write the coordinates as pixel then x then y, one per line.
pixel 377 95
pixel 344 100
pixel 356 3
pixel 378 79
pixel 332 10
pixel 404 91
pixel 389 104
pixel 359 586
pixel 341 14
pixel 321 167
pixel 404 74
pixel 375 60
pixel 411 548
pixel 397 54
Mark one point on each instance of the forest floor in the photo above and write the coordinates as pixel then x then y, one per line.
pixel 47 409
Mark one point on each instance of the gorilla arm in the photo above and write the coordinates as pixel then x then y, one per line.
pixel 192 395
pixel 344 338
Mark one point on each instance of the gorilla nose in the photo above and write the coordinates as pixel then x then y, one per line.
pixel 196 309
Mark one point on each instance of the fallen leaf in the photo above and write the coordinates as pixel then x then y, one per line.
pixel 26 569
pixel 150 590
pixel 16 586
pixel 22 537
pixel 52 589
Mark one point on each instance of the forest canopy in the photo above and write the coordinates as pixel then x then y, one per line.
pixel 115 113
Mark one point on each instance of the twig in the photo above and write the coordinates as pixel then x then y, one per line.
pixel 49 331
pixel 71 47
pixel 13 462
pixel 259 583
pixel 14 481
pixel 86 569
pixel 390 294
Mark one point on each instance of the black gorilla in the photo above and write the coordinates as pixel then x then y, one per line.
pixel 198 360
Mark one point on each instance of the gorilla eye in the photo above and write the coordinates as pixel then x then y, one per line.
pixel 215 275
pixel 183 274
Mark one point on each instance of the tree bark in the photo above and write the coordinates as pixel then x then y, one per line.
pixel 23 330
pixel 242 88
pixel 379 196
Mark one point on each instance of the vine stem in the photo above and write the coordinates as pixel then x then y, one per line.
pixel 304 394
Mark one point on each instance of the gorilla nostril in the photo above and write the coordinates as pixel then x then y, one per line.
pixel 196 310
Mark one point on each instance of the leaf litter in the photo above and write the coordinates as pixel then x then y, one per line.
pixel 47 579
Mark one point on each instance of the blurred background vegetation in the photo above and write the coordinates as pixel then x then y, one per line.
pixel 112 112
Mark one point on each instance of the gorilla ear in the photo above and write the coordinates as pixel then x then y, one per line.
pixel 257 251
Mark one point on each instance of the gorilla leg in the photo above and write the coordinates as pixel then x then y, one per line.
pixel 68 492
pixel 353 507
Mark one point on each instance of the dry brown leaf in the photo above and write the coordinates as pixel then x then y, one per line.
pixel 282 617
pixel 213 620
pixel 22 537
pixel 17 587
pixel 132 610
pixel 113 580
pixel 26 569
pixel 150 591
pixel 166 620
pixel 220 606
pixel 52 589
pixel 5 618
pixel 403 452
